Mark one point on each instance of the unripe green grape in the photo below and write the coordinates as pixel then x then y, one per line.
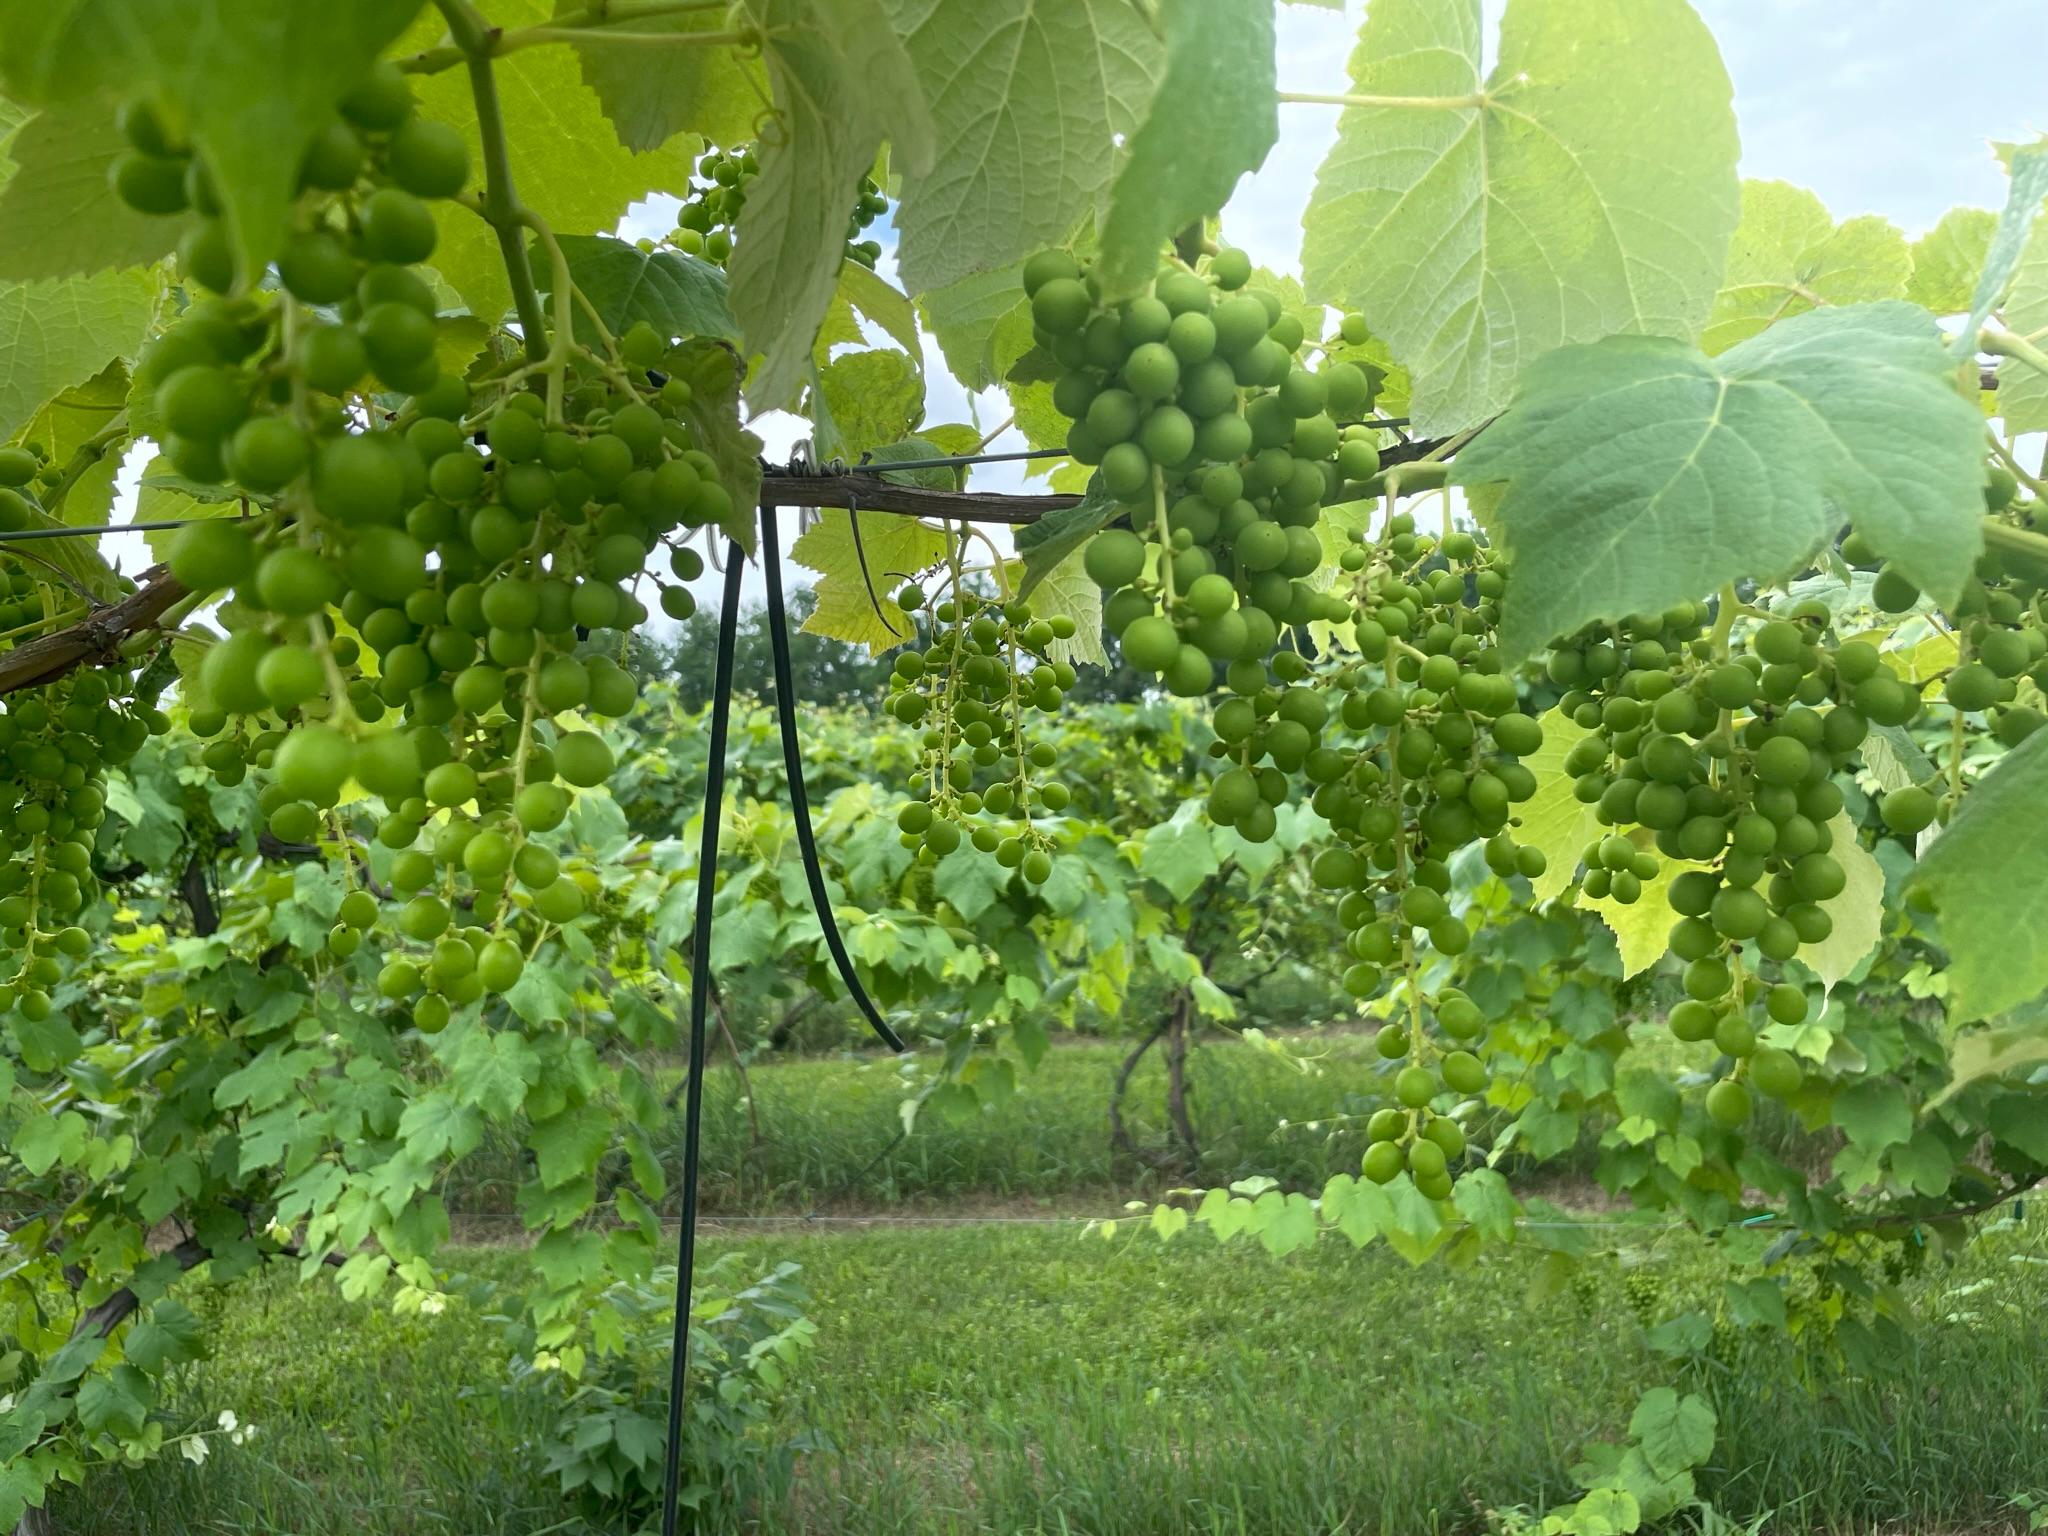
pixel 396 227
pixel 1728 1103
pixel 1384 1162
pixel 427 158
pixel 541 807
pixel 1414 1087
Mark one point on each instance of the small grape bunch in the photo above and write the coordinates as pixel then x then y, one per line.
pixel 1413 1135
pixel 365 183
pixel 987 666
pixel 1435 738
pixel 56 743
pixel 1221 447
pixel 705 223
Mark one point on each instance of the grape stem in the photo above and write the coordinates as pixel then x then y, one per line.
pixel 1165 538
pixel 590 23
pixel 557 364
pixel 2000 342
pixel 1426 103
pixel 477 40
pixel 2006 457
pixel 2021 541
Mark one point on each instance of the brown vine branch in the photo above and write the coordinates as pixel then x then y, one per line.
pixel 93 641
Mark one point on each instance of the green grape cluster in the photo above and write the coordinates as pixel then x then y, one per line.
pixel 368 176
pixel 986 666
pixel 2001 670
pixel 706 221
pixel 408 602
pixel 1727 762
pixel 56 743
pixel 1222 448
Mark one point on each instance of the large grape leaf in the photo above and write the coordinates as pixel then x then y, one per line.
pixel 2027 172
pixel 652 93
pixel 58 215
pixel 2023 388
pixel 1029 99
pixel 1586 188
pixel 860 571
pixel 252 82
pixel 678 295
pixel 1988 876
pixel 59 333
pixel 565 159
pixel 1947 259
pixel 842 84
pixel 967 318
pixel 1214 118
pixel 1789 256
pixel 1641 473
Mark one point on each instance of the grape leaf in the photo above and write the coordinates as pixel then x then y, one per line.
pixel 58 215
pixel 1858 912
pixel 1554 819
pixel 1675 1432
pixel 678 295
pixel 253 83
pixel 1988 876
pixel 1947 259
pixel 1874 1114
pixel 62 332
pixel 1047 543
pixel 842 83
pixel 969 881
pixel 713 374
pixel 1067 589
pixel 2022 388
pixel 1179 853
pixel 968 316
pixel 1640 473
pixel 563 155
pixel 1029 99
pixel 2018 1040
pixel 862 295
pixel 651 94
pixel 2027 168
pixel 1788 256
pixel 858 576
pixel 1642 928
pixel 1588 190
pixel 1214 118
pixel 868 399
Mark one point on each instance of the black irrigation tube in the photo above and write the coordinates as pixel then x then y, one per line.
pixel 700 957
pixel 799 800
pixel 700 996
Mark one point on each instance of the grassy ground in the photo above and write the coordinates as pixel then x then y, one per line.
pixel 830 1130
pixel 1022 1379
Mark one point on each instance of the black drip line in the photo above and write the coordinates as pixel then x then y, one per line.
pixel 700 957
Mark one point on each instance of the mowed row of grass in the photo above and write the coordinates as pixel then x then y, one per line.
pixel 1025 1379
pixel 827 1132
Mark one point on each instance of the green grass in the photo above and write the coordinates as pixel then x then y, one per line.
pixel 1023 1379
pixel 830 1130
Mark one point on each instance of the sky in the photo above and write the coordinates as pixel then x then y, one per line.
pixel 1877 106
